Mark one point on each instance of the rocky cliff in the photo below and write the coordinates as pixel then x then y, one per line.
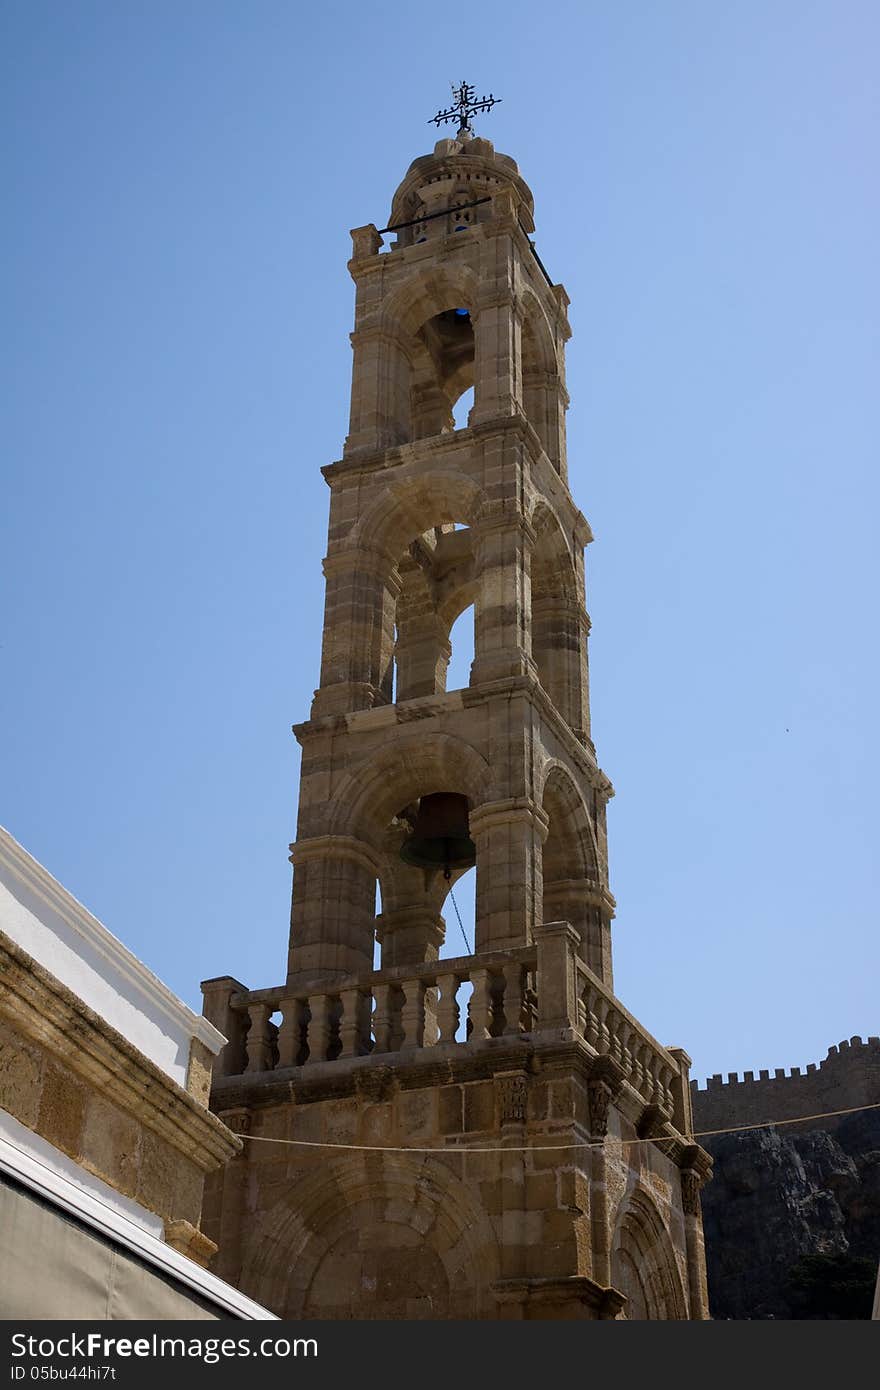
pixel 781 1194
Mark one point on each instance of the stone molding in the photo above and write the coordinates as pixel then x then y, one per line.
pixel 511 811
pixel 604 1301
pixel 334 847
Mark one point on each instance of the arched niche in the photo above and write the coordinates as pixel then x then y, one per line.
pixel 643 1263
pixel 378 1235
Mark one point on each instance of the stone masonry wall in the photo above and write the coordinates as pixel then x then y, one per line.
pixel 848 1077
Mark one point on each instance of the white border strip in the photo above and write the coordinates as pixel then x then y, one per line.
pixel 38 879
pixel 115 1224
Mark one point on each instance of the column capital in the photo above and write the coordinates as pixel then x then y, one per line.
pixel 335 847
pixel 514 810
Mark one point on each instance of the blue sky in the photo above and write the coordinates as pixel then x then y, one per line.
pixel 180 181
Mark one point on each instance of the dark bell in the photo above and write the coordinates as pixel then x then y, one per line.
pixel 440 837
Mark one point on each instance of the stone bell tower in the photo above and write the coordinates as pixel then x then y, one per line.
pixel 527 1153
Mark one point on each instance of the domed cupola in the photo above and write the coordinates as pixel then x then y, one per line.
pixel 452 189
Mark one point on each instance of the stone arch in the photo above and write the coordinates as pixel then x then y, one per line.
pixel 558 618
pixel 571 847
pixel 409 507
pixel 571 877
pixel 429 353
pixel 406 768
pixel 543 392
pixel 376 1235
pixel 428 292
pixel 643 1263
pixel 370 572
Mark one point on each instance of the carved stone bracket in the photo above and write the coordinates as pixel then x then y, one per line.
pixel 652 1122
pixel 513 1095
pixel 239 1121
pixel 696 1169
pixel 690 1192
pixel 604 1084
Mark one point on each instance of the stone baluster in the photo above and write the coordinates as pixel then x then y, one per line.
pixel 290 1032
pixel 259 1041
pixel 591 1021
pixel 412 1017
pixel 667 1101
pixel 383 1018
pixel 448 1013
pixel 351 1024
pixel 628 1039
pixel 321 1006
pixel 481 1006
pixel 513 997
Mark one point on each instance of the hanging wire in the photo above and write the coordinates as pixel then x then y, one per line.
pixel 460 925
pixel 506 1149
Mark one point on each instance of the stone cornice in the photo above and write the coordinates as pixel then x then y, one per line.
pixel 431 706
pixel 41 1008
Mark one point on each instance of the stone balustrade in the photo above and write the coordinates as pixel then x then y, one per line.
pixel 543 988
pixel 395 1010
pixel 610 1030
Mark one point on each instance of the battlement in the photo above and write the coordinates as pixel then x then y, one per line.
pixel 849 1076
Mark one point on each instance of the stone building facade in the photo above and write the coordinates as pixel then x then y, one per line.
pixel 533 1159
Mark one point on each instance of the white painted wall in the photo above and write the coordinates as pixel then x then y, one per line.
pixel 61 935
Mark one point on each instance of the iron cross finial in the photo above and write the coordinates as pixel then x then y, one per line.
pixel 465 105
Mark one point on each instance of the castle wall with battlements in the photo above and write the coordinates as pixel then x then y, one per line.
pixel 848 1077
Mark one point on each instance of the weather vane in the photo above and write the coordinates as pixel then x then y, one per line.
pixel 464 106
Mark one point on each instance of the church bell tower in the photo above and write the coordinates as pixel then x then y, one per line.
pixel 490 1135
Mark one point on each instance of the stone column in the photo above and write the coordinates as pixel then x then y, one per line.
pixel 696 1167
pixel 603 1086
pixel 502 612
pixel 333 913
pixel 508 836
pixel 512 1108
pixel 380 390
pixel 560 628
pixel 497 320
pixel 358 647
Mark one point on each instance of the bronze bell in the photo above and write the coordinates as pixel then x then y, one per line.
pixel 440 837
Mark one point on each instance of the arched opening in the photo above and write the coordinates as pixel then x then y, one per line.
pixel 443 362
pixel 462 408
pixel 434 633
pixel 459 913
pixel 461 641
pixel 571 885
